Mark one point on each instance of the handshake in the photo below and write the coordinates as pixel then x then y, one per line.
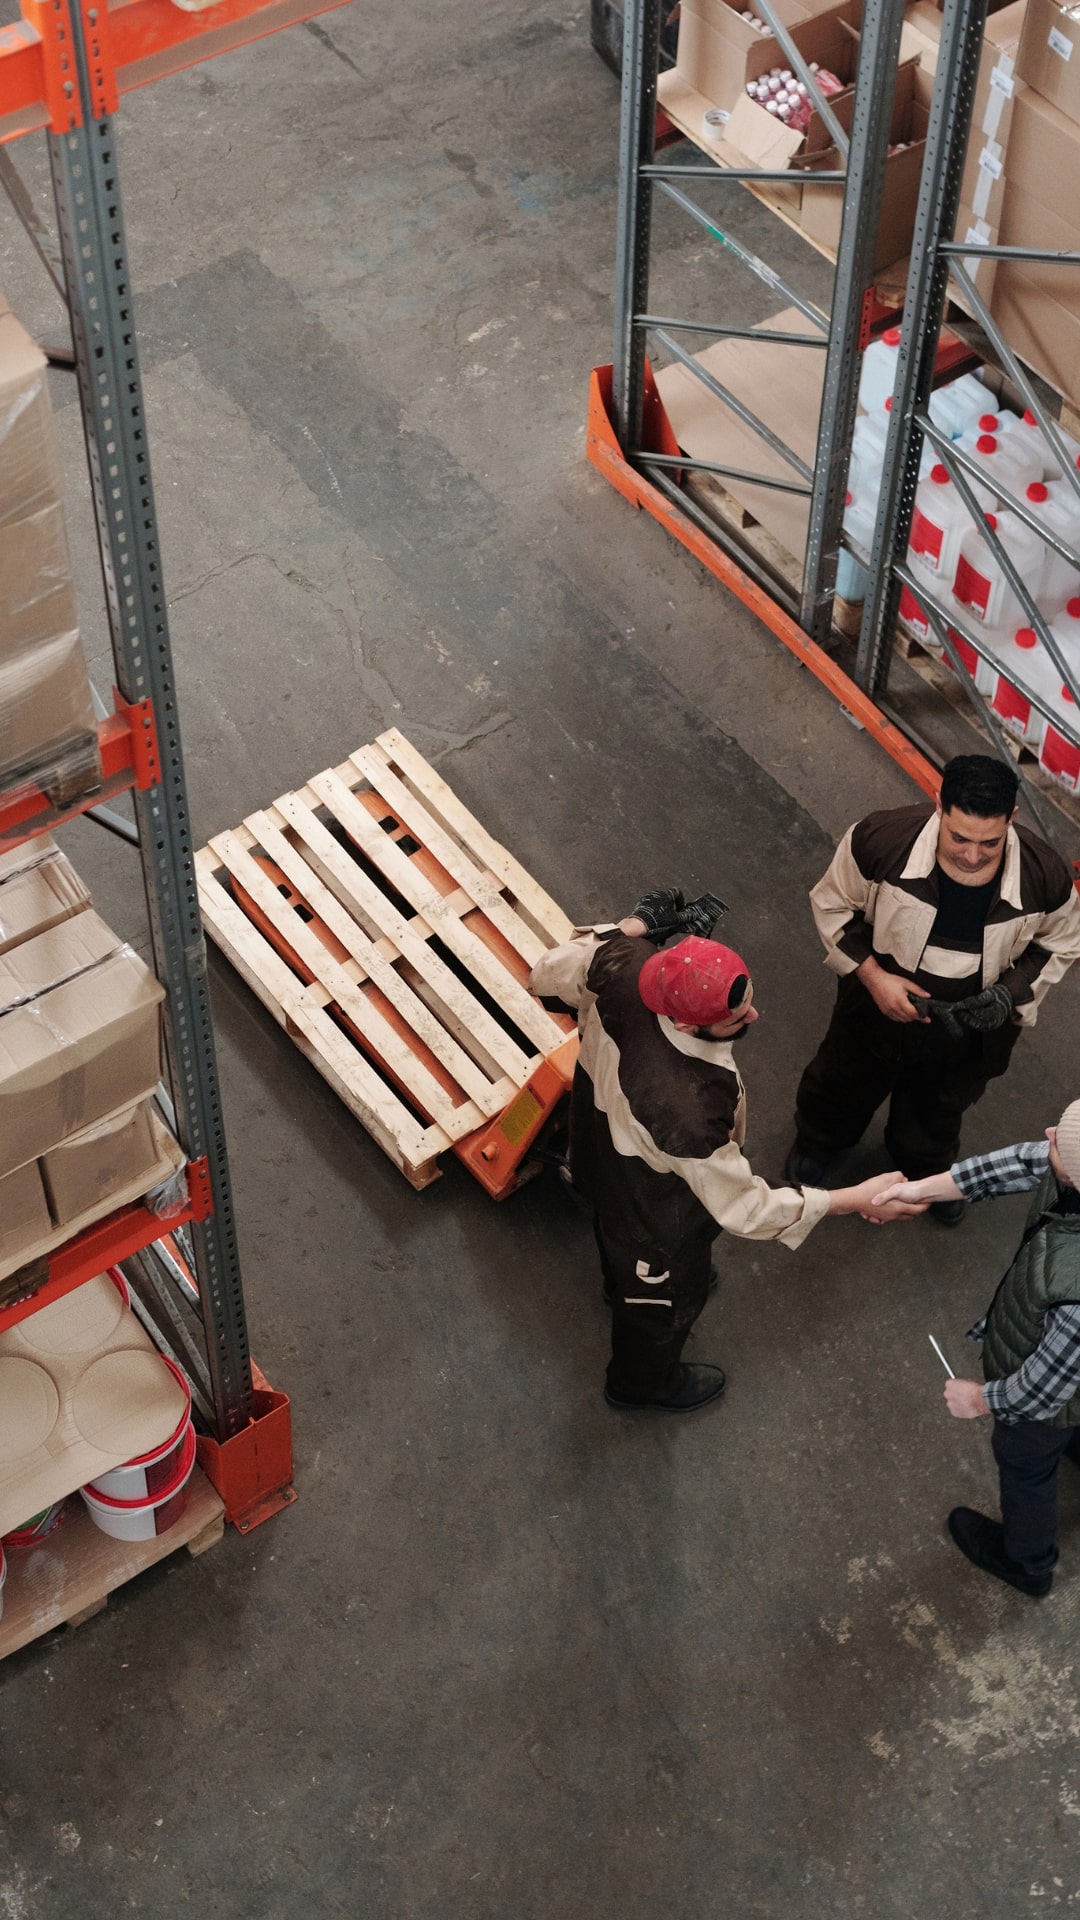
pixel 888 1196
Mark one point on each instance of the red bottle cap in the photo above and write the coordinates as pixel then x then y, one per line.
pixel 891 336
pixel 1037 492
pixel 1026 637
pixel 988 423
pixel 847 499
pixel 888 404
pixel 1029 418
pixel 940 477
pixel 1066 695
pixel 986 443
pixel 991 521
pixel 1072 608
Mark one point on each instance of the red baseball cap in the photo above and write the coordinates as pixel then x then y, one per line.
pixel 693 982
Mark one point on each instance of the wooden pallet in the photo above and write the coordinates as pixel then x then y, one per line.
pixel 69 1577
pixel 392 939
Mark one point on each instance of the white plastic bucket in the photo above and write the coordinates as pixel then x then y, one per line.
pixel 144 1477
pixel 37 1528
pixel 142 1519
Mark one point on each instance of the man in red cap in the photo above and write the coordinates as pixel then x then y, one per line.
pixel 657 1123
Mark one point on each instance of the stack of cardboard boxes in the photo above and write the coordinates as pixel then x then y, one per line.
pixel 79 1063
pixel 1038 307
pixel 47 730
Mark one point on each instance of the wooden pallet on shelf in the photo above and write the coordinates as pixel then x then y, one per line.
pixel 68 1577
pixel 392 938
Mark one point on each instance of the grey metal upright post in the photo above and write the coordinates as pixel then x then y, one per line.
pixel 962 27
pixel 87 189
pixel 641 54
pixel 879 50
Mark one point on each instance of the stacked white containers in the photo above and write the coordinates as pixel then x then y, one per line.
pixel 981 584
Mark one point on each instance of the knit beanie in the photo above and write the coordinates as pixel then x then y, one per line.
pixel 1068 1142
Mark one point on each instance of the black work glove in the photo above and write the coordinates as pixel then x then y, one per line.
pixel 981 1012
pixel 665 912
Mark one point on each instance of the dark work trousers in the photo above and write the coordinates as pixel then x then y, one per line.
pixel 1027 1456
pixel 654 1303
pixel 928 1079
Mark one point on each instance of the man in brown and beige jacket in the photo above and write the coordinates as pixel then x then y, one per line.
pixel 657 1129
pixel 947 925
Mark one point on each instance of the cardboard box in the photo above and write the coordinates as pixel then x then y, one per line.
pixel 98 1163
pixel 996 87
pixel 975 231
pixel 39 894
pixel 718 52
pixel 30 475
pixel 36 596
pixel 79 1035
pixel 1049 55
pixel 24 1211
pixel 1038 306
pixel 821 213
pixel 47 730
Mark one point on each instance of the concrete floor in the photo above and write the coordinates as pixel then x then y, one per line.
pixel 511 1657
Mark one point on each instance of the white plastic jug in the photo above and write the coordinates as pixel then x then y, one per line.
pixel 1029 433
pixel 1020 670
pixel 980 583
pixel 878 376
pixel 1058 506
pixel 1008 465
pixel 956 407
pixel 938 524
pixel 1065 627
pixel 851 575
pixel 1059 752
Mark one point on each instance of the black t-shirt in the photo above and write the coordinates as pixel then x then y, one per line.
pixel 961 914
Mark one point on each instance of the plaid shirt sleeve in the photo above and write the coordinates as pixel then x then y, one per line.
pixel 1006 1170
pixel 1048 1378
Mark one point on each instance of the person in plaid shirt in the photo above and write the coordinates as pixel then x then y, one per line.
pixel 1031 1350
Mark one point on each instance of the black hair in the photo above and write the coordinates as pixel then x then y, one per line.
pixel 738 992
pixel 977 784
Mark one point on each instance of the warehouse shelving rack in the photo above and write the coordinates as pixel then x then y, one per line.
pixel 62 68
pixel 630 438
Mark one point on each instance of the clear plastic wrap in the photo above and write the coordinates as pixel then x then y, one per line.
pixel 48 735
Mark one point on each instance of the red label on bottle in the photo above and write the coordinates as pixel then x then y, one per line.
pixel 971 587
pixel 926 538
pixel 1011 706
pixel 911 613
pixel 1060 758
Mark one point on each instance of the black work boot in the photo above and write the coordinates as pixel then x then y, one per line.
pixel 983 1541
pixel 700 1384
pixel 807 1169
pixel 948 1213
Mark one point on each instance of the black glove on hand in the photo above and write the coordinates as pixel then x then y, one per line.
pixel 981 1012
pixel 664 913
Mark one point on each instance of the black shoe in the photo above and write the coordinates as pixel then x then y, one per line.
pixel 807 1169
pixel 607 1293
pixel 948 1213
pixel 983 1540
pixel 700 1385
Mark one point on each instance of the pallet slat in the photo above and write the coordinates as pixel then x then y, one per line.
pixel 460 1010
pixel 411 1147
pixel 509 994
pixel 402 756
pixel 461 865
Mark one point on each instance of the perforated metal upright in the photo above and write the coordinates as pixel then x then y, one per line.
pixel 87 189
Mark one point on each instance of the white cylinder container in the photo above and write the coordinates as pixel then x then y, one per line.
pixel 1029 433
pixel 980 583
pixel 878 376
pixel 143 1519
pixel 145 1476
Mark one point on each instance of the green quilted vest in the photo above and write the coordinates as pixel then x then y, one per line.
pixel 1044 1274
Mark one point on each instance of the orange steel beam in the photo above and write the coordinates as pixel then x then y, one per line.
pixel 127 742
pixel 606 454
pixel 132 43
pixel 107 1243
